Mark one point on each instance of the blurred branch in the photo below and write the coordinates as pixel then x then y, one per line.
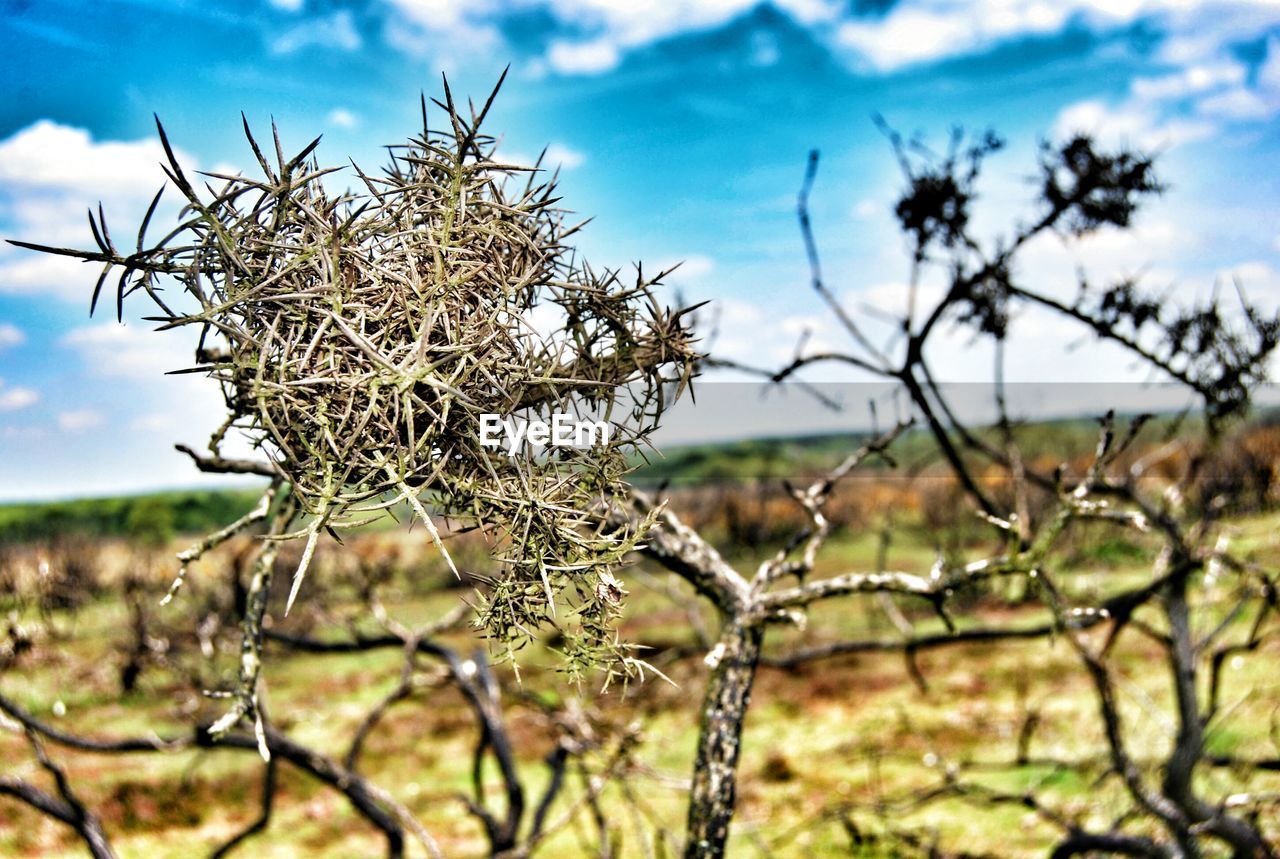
pixel 223 465
pixel 65 807
pixel 368 800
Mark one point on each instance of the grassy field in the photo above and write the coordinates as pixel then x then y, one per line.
pixel 834 750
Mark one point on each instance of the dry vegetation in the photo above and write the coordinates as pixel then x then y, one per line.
pixel 1022 649
pixel 842 749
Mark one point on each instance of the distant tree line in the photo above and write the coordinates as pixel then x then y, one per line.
pixel 153 518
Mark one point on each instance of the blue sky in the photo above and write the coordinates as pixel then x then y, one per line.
pixel 681 126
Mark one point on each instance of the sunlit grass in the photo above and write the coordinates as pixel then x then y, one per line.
pixel 845 734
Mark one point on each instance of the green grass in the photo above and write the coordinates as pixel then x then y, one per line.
pixel 847 732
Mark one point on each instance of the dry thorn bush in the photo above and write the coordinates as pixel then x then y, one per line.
pixel 359 336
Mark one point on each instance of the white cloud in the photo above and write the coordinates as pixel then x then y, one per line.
pixel 47 156
pixel 753 336
pixel 907 36
pixel 128 351
pixel 614 27
pixel 915 32
pixel 1242 102
pixel 444 29
pixel 1131 123
pixel 1238 103
pixel 79 420
pixel 159 422
pixel 1043 347
pixel 1189 104
pixel 1192 80
pixel 444 14
pixel 13 399
pixel 26 273
pixel 342 118
pixel 630 23
pixel 564 156
pixel 593 36
pixel 10 336
pixel 288 5
pixel 50 175
pixel 1258 280
pixel 1269 72
pixel 1198 32
pixel 558 155
pixel 868 208
pixel 892 297
pixel 337 31
pixel 1153 249
pixel 596 33
pixel 692 267
pixel 575 58
pixel 136 360
pixel 921 31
